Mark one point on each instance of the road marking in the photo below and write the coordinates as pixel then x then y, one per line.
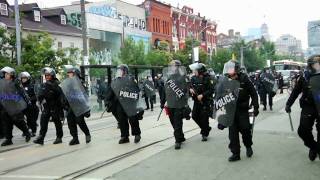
pixel 29 177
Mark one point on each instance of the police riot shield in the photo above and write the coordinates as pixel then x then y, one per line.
pixel 269 83
pixel 315 88
pixel 225 100
pixel 76 95
pixel 128 93
pixel 149 88
pixel 11 100
pixel 176 86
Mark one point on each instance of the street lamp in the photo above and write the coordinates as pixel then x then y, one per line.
pixel 192 44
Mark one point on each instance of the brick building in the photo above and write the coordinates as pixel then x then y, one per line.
pixel 187 24
pixel 159 21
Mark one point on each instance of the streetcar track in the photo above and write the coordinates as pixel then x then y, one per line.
pixel 50 140
pixel 101 164
pixel 59 155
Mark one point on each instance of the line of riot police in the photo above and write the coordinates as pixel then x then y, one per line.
pixel 226 99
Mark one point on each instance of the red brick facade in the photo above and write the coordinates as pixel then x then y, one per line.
pixel 159 21
pixel 187 24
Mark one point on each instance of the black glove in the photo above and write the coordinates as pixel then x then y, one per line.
pixel 161 106
pixel 221 127
pixel 288 109
pixel 256 112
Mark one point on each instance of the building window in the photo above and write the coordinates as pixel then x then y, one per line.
pixel 63 19
pixel 59 45
pixel 3 9
pixel 154 25
pixel 37 17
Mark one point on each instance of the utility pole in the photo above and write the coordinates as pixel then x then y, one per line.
pixel 18 31
pixel 241 56
pixel 85 52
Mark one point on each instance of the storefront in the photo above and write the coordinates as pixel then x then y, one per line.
pixel 108 22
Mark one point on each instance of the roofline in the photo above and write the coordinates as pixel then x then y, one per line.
pixel 52 32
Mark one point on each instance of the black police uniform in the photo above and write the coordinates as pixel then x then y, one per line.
pixel 264 94
pixel 52 107
pixel 121 116
pixel 73 121
pixel 32 112
pixel 241 122
pixel 202 109
pixel 161 89
pixel 1 126
pixel 17 119
pixel 176 115
pixel 309 113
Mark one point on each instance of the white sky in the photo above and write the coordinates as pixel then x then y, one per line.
pixel 282 16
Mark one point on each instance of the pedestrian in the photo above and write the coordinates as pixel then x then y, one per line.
pixel 281 82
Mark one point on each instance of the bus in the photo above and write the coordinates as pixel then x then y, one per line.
pixel 288 64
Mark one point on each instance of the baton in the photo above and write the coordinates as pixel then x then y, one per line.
pixel 160 114
pixel 253 120
pixel 291 122
pixel 103 113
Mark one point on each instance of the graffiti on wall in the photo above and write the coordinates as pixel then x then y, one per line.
pixel 112 12
pixel 74 19
pixel 103 57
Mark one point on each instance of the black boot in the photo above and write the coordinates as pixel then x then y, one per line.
pixel 57 141
pixel 204 138
pixel 177 146
pixel 312 154
pixel 271 108
pixel 249 152
pixel 7 142
pixel 33 134
pixel 88 139
pixel 264 108
pixel 28 137
pixel 234 157
pixel 137 138
pixel 74 141
pixel 39 140
pixel 124 140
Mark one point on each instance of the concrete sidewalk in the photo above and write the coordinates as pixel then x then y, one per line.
pixel 276 156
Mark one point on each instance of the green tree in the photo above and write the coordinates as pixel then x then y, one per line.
pixel 221 57
pixel 158 57
pixel 132 53
pixel 251 57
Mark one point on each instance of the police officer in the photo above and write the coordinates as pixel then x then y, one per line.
pixel 32 112
pixel 202 89
pixel 72 119
pixel 309 113
pixel 148 91
pixel 160 87
pixel 241 122
pixel 281 82
pixel 119 110
pixel 1 123
pixel 9 74
pixel 265 92
pixel 177 106
pixel 50 99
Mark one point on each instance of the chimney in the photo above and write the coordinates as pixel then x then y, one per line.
pixel 231 32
